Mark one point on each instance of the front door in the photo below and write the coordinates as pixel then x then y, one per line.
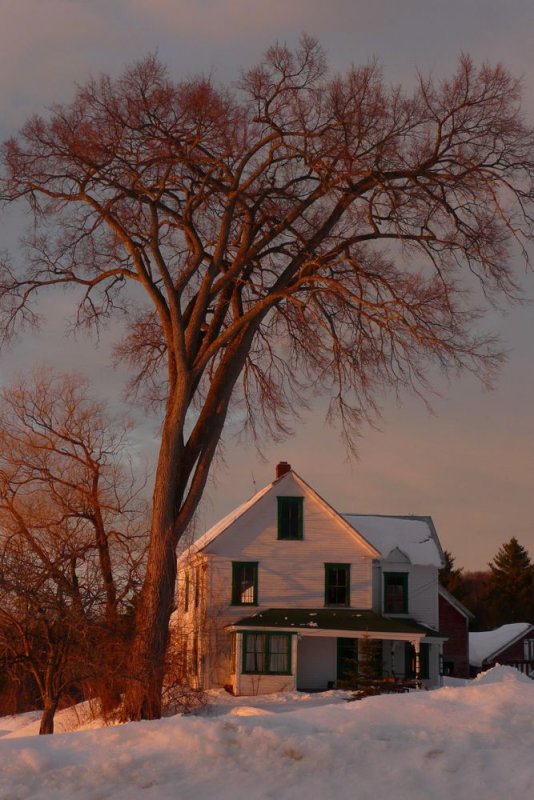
pixel 347 658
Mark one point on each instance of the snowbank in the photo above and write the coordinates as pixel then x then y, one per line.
pixel 450 744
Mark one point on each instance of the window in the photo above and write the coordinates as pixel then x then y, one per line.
pixel 194 655
pixel 244 583
pixel 337 585
pixel 197 586
pixel 528 646
pixel 396 592
pixel 267 653
pixel 186 591
pixel 290 517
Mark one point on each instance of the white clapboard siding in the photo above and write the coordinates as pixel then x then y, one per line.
pixel 291 573
pixel 422 589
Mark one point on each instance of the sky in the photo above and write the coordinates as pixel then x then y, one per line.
pixel 470 462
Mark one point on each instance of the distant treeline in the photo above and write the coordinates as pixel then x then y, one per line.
pixel 502 594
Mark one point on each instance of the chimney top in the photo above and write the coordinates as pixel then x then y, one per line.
pixel 281 468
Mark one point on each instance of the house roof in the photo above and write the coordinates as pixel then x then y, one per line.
pixel 345 619
pixel 205 540
pixel 450 598
pixel 415 537
pixel 224 523
pixel 484 646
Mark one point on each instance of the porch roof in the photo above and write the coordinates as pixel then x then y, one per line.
pixel 350 620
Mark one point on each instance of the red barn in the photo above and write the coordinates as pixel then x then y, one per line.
pixel 454 624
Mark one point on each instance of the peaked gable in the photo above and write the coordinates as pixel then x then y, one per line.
pixel 242 525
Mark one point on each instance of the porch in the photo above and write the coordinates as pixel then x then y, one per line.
pixel 316 649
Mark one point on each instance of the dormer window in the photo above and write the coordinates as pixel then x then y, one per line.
pixel 290 517
pixel 395 592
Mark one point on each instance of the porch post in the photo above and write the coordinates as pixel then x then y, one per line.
pixel 238 662
pixel 417 648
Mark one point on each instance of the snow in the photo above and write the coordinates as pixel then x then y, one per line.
pixel 454 743
pixel 413 536
pixel 489 643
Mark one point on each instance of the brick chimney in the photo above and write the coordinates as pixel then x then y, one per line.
pixel 282 468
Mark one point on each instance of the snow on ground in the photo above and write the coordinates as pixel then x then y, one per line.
pixel 451 744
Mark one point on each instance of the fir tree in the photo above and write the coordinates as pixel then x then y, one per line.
pixel 451 577
pixel 511 586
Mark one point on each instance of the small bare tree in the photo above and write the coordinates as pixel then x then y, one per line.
pixel 301 230
pixel 71 536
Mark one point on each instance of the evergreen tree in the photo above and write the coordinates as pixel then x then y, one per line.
pixel 511 586
pixel 452 578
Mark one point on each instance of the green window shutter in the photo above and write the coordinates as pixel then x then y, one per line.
pixel 395 592
pixel 290 517
pixel 337 584
pixel 244 583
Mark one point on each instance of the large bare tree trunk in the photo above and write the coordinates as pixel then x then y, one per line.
pixel 47 719
pixel 143 695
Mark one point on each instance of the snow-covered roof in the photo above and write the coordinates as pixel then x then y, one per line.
pixel 414 536
pixel 485 645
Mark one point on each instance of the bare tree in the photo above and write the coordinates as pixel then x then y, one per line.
pixel 299 230
pixel 41 630
pixel 71 535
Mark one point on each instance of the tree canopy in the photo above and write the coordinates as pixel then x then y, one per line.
pixel 299 231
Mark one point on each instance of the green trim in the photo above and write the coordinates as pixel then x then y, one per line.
pixel 290 518
pixel 266 652
pixel 237 580
pixel 391 608
pixel 337 587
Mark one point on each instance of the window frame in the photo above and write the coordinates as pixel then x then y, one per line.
pixel 284 502
pixel 404 577
pixel 267 636
pixel 236 599
pixel 327 584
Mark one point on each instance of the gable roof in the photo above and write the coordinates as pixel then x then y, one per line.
pixel 415 537
pixel 216 530
pixel 203 541
pixel 450 598
pixel 486 645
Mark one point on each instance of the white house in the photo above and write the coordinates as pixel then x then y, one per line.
pixel 277 595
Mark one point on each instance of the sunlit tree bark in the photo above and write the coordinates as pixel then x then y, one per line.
pixel 301 230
